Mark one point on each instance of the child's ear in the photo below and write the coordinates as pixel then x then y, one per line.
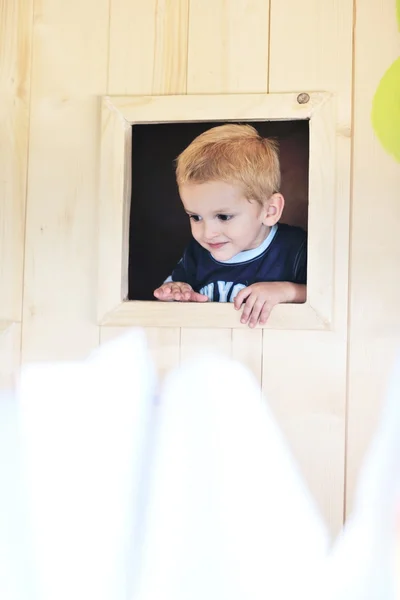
pixel 273 209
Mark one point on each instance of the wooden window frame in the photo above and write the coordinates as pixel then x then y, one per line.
pixel 119 113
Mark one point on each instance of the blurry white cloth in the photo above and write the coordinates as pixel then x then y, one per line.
pixel 110 493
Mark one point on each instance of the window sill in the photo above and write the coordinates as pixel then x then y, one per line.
pixel 212 315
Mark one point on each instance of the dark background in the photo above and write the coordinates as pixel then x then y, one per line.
pixel 159 227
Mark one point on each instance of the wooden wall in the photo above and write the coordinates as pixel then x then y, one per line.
pixel 374 319
pixel 58 58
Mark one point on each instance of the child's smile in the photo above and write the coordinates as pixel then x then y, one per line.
pixel 222 220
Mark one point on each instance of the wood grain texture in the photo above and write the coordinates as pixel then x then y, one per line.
pixel 114 201
pixel 148 46
pixel 311 49
pixel 215 107
pixel 375 243
pixel 195 342
pixel 10 349
pixel 163 345
pixel 15 84
pixel 69 72
pixel 15 70
pixel 210 47
pixel 247 348
pixel 207 315
pixel 304 381
pixel 228 46
pixel 147 55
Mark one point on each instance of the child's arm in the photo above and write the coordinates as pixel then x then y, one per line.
pixel 262 297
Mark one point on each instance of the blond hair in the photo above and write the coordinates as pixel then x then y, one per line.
pixel 235 154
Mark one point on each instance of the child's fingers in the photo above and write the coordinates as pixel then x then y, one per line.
pixel 266 311
pixel 241 297
pixel 162 292
pixel 248 307
pixel 255 313
pixel 178 290
pixel 182 292
pixel 196 297
pixel 186 292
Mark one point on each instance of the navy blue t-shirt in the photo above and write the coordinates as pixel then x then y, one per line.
pixel 281 257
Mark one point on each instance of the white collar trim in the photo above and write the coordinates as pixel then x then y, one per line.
pixel 247 255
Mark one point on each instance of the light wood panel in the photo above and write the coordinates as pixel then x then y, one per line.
pixel 15 78
pixel 163 344
pixel 311 49
pixel 148 55
pixel 15 67
pixel 195 342
pixel 228 46
pixel 10 346
pixel 69 71
pixel 228 53
pixel 375 240
pixel 114 201
pixel 148 46
pixel 216 107
pixel 247 348
pixel 315 54
pixel 215 315
pixel 304 381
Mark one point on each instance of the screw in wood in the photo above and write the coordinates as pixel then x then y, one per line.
pixel 303 98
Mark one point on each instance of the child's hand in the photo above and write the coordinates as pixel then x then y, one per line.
pixel 181 292
pixel 262 297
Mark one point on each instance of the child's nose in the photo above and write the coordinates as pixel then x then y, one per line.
pixel 211 229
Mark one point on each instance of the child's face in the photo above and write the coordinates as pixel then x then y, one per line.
pixel 223 221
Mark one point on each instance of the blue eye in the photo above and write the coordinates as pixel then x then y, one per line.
pixel 224 217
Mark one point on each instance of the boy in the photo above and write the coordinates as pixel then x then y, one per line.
pixel 229 180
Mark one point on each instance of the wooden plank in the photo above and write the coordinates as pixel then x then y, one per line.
pixel 148 55
pixel 10 347
pixel 375 242
pixel 195 342
pixel 15 84
pixel 148 46
pixel 216 315
pixel 69 72
pixel 247 348
pixel 163 345
pixel 315 54
pixel 228 46
pixel 304 378
pixel 15 76
pixel 304 373
pixel 311 49
pixel 216 107
pixel 114 209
